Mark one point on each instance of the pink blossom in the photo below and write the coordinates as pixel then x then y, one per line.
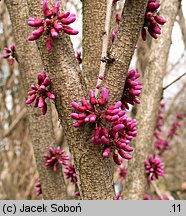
pixel 39 92
pixel 154 167
pixel 152 21
pixel 113 130
pixel 10 54
pixel 38 188
pixel 52 24
pixel 55 158
pixel 132 89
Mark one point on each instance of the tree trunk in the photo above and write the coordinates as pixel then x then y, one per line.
pixel 135 184
pixel 41 128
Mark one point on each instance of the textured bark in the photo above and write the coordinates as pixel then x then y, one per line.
pixel 123 48
pixel 94 13
pixel 135 184
pixel 41 128
pixel 95 175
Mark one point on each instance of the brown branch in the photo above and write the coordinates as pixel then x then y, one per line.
pixel 95 175
pixel 135 184
pixel 40 127
pixel 177 79
pixel 17 120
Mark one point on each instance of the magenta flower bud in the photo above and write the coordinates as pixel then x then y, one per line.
pixel 116 159
pixel 157 29
pixel 149 15
pixel 36 102
pixel 106 153
pixel 118 105
pixel 11 61
pixel 56 8
pixel 112 112
pixel 121 113
pixel 118 127
pixel 49 44
pixel 42 88
pixel 124 155
pixel 31 99
pixel 127 148
pixel 64 15
pixel 38 32
pixel 53 33
pixel 77 116
pixel 98 86
pixel 32 37
pixel 92 97
pixel 69 20
pixel 50 95
pixel 114 35
pixel 41 102
pixel 5 56
pixel 114 118
pixel 7 50
pixel 79 123
pixel 44 108
pixel 101 77
pixel 40 79
pixel 58 26
pixel 31 92
pixel 160 20
pixel 78 107
pixel 35 22
pixel 69 30
pixel 87 105
pixel 105 95
pixel 46 82
pixel 152 33
pixel 92 118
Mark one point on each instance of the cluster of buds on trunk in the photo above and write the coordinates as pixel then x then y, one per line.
pixel 122 172
pixel 38 188
pixel 154 168
pixel 52 24
pixel 55 158
pixel 114 33
pixel 39 92
pixel 152 21
pixel 10 54
pixel 112 128
pixel 132 90
pixel 70 174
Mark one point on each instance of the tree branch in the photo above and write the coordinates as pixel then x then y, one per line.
pixel 41 128
pixel 177 79
pixel 135 184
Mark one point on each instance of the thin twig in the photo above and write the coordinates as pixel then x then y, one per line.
pixel 174 81
pixel 19 117
pixel 104 45
pixel 157 190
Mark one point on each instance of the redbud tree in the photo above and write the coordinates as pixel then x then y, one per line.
pixel 92 91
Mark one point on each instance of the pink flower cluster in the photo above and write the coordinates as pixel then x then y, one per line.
pixel 132 90
pixel 55 157
pixel 71 174
pixel 10 53
pixel 52 24
pixel 152 21
pixel 39 92
pixel 161 144
pixel 38 188
pixel 114 33
pixel 121 128
pixel 78 57
pixel 175 126
pixel 154 167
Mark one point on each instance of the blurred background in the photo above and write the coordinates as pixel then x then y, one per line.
pixel 18 172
